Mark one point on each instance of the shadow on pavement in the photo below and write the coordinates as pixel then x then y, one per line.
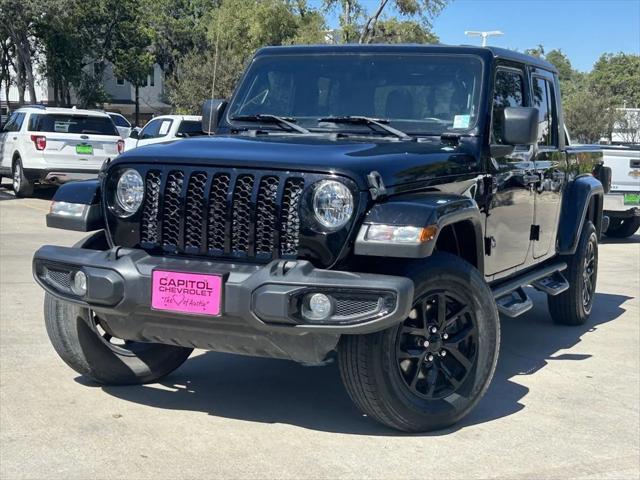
pixel 44 192
pixel 278 391
pixel 613 241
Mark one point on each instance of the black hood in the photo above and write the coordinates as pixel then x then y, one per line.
pixel 398 162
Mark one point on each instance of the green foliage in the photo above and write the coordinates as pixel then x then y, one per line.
pixel 617 76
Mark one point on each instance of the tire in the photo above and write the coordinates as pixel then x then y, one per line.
pixel 22 187
pixel 573 306
pixel 390 376
pixel 622 227
pixel 78 341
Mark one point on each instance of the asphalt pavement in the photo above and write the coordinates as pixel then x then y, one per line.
pixel 565 401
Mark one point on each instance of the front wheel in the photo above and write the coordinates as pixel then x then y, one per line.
pixel 429 371
pixel 80 340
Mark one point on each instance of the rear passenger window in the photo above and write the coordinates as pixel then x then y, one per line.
pixel 14 123
pixel 543 100
pixel 509 92
pixel 190 128
pixel 78 124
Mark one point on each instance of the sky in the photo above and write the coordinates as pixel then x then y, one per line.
pixel 582 29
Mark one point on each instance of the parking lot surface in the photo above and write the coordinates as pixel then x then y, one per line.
pixel 564 402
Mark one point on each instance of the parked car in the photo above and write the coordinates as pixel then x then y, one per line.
pixel 622 203
pixel 54 145
pixel 384 202
pixel 165 128
pixel 122 124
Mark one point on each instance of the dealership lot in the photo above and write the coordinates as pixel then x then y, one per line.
pixel 564 402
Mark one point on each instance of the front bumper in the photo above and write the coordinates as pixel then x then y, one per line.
pixel 259 302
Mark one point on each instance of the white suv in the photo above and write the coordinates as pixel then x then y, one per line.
pixel 622 203
pixel 54 145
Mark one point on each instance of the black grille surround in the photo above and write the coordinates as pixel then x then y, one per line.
pixel 253 215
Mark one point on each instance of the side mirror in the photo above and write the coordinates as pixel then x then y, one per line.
pixel 212 111
pixel 520 126
pixel 134 133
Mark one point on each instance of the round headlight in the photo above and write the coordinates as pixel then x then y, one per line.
pixel 129 192
pixel 332 204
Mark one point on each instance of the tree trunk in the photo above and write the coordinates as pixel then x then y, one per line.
pixel 20 82
pixel 371 23
pixel 137 105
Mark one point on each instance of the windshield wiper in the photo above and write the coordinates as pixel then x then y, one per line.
pixel 370 122
pixel 268 118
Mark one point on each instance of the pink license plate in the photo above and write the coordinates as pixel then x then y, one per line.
pixel 192 293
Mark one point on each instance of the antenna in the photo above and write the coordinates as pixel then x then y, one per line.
pixel 484 35
pixel 215 68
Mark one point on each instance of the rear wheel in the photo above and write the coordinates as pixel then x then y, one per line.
pixel 22 187
pixel 429 371
pixel 84 344
pixel 573 306
pixel 622 227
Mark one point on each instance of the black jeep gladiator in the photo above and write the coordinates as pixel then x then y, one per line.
pixel 381 202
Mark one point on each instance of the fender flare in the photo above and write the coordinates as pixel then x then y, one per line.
pixel 576 201
pixel 420 210
pixel 86 192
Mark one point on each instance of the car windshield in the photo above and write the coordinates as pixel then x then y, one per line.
pixel 415 93
pixel 60 123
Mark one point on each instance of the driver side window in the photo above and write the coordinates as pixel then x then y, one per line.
pixel 508 92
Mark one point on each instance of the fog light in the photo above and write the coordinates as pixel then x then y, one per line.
pixel 318 306
pixel 79 285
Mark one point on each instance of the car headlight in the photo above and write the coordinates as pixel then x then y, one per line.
pixel 129 192
pixel 332 204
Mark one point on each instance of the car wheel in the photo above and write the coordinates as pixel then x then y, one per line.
pixel 84 345
pixel 623 227
pixel 573 306
pixel 22 187
pixel 429 371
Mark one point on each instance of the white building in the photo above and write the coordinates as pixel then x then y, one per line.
pixel 627 130
pixel 121 92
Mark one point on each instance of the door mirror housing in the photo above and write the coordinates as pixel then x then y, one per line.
pixel 135 133
pixel 520 126
pixel 212 111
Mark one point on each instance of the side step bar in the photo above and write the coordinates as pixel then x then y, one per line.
pixel 513 301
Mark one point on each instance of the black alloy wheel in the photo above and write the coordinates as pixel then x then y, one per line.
pixel 437 345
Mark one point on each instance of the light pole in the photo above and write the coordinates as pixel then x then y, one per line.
pixel 484 35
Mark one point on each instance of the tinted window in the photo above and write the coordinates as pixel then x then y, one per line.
pixel 417 93
pixel 14 123
pixel 61 123
pixel 543 99
pixel 120 121
pixel 508 92
pixel 190 128
pixel 156 129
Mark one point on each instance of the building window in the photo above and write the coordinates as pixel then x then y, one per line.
pixel 96 69
pixel 119 81
pixel 152 80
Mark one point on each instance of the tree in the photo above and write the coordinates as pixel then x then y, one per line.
pixel 562 63
pixel 236 29
pixel 617 76
pixel 357 22
pixel 129 49
pixel 22 15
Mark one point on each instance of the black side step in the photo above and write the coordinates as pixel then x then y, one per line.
pixel 511 298
pixel 553 284
pixel 514 303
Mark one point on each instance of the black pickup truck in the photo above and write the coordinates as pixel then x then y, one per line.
pixel 381 202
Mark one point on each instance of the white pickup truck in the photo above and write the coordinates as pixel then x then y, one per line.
pixel 622 203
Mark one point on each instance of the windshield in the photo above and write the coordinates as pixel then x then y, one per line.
pixel 60 123
pixel 416 93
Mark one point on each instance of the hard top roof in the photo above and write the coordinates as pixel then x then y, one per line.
pixel 486 52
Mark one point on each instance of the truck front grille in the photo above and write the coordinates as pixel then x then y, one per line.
pixel 221 213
